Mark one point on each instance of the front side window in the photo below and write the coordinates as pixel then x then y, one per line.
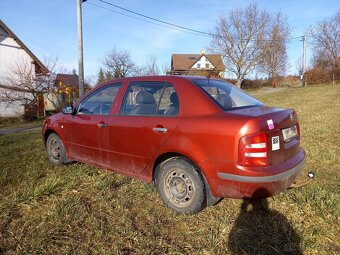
pixel 226 95
pixel 99 102
pixel 150 99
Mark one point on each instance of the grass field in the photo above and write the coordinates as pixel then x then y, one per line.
pixel 78 209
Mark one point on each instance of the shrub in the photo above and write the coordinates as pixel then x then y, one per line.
pixel 231 81
pixel 250 84
pixel 319 75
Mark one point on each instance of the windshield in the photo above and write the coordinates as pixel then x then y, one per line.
pixel 226 95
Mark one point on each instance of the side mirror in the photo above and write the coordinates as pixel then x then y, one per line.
pixel 67 110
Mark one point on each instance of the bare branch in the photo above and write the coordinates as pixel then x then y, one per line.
pixel 151 67
pixel 274 61
pixel 118 64
pixel 240 37
pixel 23 86
pixel 325 39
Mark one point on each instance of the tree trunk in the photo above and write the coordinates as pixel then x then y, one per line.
pixel 238 82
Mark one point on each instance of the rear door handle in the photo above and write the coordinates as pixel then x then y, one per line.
pixel 160 129
pixel 102 124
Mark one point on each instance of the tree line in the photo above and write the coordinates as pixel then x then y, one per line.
pixel 248 39
pixel 325 41
pixel 118 63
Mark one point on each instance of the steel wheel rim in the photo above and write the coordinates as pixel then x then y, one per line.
pixel 55 150
pixel 179 188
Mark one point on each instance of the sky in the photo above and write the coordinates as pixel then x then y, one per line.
pixel 49 27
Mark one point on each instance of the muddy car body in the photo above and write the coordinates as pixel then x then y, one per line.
pixel 197 139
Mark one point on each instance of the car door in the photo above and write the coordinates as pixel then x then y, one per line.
pixel 87 132
pixel 143 124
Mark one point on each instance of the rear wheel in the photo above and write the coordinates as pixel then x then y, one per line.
pixel 55 150
pixel 180 185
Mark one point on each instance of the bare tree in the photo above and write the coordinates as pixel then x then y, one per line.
pixel 166 68
pixel 139 71
pixel 274 61
pixel 23 86
pixel 151 67
pixel 241 38
pixel 325 38
pixel 118 64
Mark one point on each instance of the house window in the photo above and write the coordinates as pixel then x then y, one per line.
pixel 198 65
pixel 207 65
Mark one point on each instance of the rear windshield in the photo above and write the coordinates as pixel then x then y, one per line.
pixel 226 95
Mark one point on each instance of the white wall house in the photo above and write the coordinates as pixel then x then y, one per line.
pixel 203 63
pixel 197 64
pixel 14 53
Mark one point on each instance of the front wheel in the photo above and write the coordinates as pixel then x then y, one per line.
pixel 55 150
pixel 180 185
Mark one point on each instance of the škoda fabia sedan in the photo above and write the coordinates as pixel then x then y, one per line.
pixel 197 139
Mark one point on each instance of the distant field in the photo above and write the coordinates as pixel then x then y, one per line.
pixel 77 209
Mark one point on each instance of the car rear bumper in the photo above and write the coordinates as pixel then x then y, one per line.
pixel 250 186
pixel 263 179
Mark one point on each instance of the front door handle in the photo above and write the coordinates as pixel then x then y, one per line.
pixel 102 124
pixel 160 129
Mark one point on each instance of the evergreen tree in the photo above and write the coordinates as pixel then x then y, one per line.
pixel 108 76
pixel 101 77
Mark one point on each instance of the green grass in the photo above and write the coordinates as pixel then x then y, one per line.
pixel 79 209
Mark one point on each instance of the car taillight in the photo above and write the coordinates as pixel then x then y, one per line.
pixel 253 150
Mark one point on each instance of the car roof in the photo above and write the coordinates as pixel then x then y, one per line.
pixel 158 78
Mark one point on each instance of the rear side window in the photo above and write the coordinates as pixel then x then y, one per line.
pixel 226 95
pixel 150 99
pixel 100 102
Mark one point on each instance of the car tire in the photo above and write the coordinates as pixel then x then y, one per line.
pixel 55 150
pixel 180 185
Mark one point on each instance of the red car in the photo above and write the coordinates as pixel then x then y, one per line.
pixel 197 139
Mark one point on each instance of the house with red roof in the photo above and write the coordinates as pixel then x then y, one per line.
pixel 197 64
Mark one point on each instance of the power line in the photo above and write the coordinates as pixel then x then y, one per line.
pixel 175 26
pixel 155 19
pixel 147 21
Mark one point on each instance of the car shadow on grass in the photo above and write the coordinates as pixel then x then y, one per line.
pixel 261 230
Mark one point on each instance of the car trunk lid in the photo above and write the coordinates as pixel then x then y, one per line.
pixel 280 126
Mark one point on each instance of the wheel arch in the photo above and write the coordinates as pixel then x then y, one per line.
pixel 161 158
pixel 48 132
pixel 165 156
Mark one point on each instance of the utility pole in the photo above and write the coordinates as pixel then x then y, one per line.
pixel 80 48
pixel 304 61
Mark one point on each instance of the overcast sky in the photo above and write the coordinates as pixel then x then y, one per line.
pixel 50 27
